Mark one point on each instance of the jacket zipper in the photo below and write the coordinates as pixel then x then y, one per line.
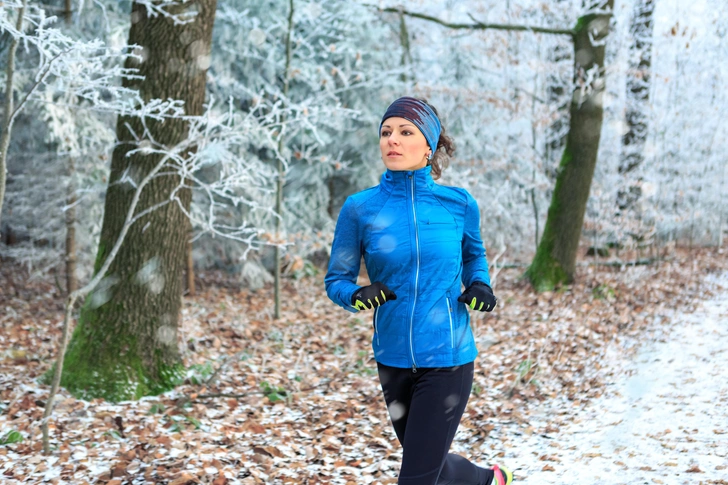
pixel 449 314
pixel 417 275
pixel 376 329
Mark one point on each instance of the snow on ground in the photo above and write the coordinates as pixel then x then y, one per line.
pixel 663 419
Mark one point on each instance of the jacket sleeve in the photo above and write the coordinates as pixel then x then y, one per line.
pixel 345 259
pixel 475 263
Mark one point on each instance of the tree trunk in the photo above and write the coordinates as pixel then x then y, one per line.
pixel 555 259
pixel 7 125
pixel 281 172
pixel 638 98
pixel 68 11
pixel 71 281
pixel 404 40
pixel 125 344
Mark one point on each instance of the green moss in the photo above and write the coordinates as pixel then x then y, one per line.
pixel 111 369
pixel 545 272
pixel 100 256
pixel 566 159
pixel 583 22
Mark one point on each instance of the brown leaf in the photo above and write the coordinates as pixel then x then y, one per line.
pixel 119 470
pixel 267 450
pixel 184 478
pixel 255 427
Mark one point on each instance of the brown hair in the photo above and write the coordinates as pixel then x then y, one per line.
pixel 445 149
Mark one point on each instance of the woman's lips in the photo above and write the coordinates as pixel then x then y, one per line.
pixel 394 154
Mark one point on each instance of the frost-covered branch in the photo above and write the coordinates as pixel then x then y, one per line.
pixel 476 25
pixel 167 9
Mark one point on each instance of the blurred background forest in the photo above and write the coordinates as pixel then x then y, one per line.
pixel 503 95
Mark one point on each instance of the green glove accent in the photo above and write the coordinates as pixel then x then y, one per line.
pixel 479 296
pixel 374 291
pixel 359 305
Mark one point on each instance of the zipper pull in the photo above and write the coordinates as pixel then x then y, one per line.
pixel 414 369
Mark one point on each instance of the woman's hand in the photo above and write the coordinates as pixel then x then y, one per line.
pixel 479 296
pixel 376 294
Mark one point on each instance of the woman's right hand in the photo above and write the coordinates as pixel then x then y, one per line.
pixel 368 297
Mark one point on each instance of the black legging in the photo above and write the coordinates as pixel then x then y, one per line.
pixel 425 408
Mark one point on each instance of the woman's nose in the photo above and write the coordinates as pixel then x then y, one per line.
pixel 392 140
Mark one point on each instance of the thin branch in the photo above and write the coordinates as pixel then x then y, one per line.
pixel 476 25
pixel 522 28
pixel 38 82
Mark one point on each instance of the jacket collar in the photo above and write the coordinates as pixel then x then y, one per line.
pixel 400 180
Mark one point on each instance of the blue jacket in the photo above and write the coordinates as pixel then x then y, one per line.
pixel 421 240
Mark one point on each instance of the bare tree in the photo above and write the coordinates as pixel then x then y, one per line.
pixel 281 168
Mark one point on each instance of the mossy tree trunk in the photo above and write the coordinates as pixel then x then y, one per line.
pixel 125 344
pixel 555 259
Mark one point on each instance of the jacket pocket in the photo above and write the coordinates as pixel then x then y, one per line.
pixel 449 315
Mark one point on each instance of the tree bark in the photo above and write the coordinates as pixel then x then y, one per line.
pixel 125 344
pixel 638 98
pixel 555 260
pixel 71 199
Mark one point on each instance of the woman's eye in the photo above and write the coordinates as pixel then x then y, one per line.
pixel 385 133
pixel 406 132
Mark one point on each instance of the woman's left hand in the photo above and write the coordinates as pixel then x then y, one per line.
pixel 479 296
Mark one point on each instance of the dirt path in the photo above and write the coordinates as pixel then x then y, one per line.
pixel 663 420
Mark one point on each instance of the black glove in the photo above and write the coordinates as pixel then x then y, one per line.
pixel 479 296
pixel 367 297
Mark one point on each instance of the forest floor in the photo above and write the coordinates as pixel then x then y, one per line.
pixel 663 418
pixel 580 392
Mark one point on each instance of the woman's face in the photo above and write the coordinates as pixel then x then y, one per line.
pixel 403 145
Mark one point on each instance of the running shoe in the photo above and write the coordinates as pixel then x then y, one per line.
pixel 501 475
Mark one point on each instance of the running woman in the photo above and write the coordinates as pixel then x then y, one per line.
pixel 420 241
